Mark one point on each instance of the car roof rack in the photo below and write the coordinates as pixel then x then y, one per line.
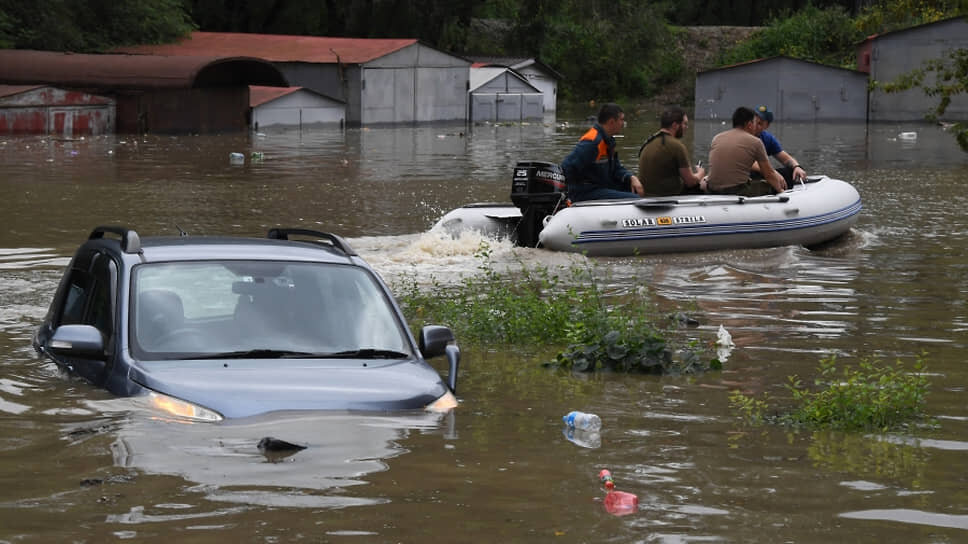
pixel 130 241
pixel 334 240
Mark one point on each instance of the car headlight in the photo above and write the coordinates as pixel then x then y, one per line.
pixel 181 408
pixel 445 403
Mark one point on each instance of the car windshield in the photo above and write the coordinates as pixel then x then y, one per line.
pixel 261 309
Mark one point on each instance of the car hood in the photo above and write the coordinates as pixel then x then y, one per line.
pixel 241 388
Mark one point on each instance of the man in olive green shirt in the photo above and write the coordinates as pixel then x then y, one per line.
pixel 663 160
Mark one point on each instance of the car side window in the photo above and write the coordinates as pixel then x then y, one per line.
pixel 101 312
pixel 79 286
pixel 89 299
pixel 73 312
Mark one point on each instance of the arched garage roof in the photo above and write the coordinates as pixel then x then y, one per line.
pixel 19 67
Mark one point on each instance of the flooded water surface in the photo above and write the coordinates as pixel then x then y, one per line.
pixel 78 465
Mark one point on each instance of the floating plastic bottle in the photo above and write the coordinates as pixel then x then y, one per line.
pixel 616 502
pixel 582 421
pixel 236 158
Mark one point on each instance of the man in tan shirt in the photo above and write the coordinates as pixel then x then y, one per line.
pixel 731 154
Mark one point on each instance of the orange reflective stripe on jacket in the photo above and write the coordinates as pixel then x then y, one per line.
pixel 591 136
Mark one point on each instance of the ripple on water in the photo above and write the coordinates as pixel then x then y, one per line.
pixel 136 515
pixel 289 499
pixel 915 517
pixel 24 258
pixel 861 485
pixel 949 445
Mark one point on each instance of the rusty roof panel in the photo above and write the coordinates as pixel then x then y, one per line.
pixel 259 95
pixel 10 90
pixel 45 95
pixel 278 48
pixel 133 71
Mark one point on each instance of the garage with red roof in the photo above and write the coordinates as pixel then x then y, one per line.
pixel 381 81
pixel 192 94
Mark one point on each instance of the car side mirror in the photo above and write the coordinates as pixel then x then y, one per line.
pixel 79 341
pixel 434 340
pixel 437 340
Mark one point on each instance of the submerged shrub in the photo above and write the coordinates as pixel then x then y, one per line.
pixel 628 340
pixel 538 307
pixel 871 396
pixel 533 306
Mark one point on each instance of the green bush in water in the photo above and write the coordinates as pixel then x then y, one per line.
pixel 871 396
pixel 537 307
pixel 532 307
pixel 629 341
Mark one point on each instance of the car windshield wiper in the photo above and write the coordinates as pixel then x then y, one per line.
pixel 261 353
pixel 367 353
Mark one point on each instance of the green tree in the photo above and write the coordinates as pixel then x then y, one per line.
pixel 748 13
pixel 90 25
pixel 422 19
pixel 298 17
pixel 820 35
pixel 889 15
pixel 603 49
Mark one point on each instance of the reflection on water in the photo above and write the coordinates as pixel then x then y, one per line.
pixel 869 457
pixel 340 449
pixel 917 517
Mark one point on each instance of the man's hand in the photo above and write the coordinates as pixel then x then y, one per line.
pixel 799 174
pixel 636 185
pixel 778 182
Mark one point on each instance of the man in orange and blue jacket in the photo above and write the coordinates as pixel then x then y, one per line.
pixel 592 169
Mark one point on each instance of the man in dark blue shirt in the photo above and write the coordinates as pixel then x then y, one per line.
pixel 791 170
pixel 592 170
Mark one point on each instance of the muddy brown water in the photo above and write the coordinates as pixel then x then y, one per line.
pixel 77 465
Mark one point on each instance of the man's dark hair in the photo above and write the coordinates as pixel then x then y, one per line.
pixel 671 116
pixel 741 116
pixel 608 111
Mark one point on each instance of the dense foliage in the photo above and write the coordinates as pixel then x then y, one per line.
pixel 830 35
pixel 891 15
pixel 870 396
pixel 704 12
pixel 826 36
pixel 90 25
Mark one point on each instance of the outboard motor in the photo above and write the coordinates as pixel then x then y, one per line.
pixel 538 190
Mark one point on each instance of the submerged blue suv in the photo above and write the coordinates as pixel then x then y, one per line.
pixel 222 327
